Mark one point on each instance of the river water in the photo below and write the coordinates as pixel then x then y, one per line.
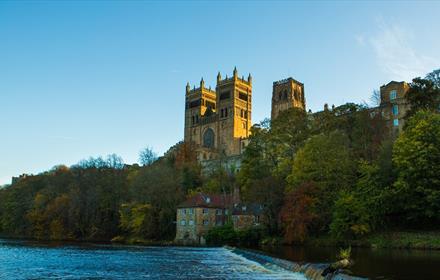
pixel 31 260
pixel 393 264
pixel 24 260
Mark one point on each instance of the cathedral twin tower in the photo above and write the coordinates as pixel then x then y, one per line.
pixel 218 121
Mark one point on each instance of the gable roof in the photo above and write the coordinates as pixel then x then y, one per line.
pixel 393 82
pixel 248 209
pixel 207 201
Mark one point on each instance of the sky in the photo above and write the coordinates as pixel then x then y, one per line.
pixel 92 78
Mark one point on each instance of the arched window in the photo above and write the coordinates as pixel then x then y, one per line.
pixel 208 138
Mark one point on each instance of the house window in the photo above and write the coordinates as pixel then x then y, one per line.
pixel 395 110
pixel 218 211
pixel 396 122
pixel 226 211
pixel 191 211
pixel 393 94
pixel 183 211
pixel 205 222
pixel 191 222
pixel 205 210
pixel 182 222
pixel 219 222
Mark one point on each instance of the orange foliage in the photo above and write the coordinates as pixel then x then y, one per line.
pixel 297 213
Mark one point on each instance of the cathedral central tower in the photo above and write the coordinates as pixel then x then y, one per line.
pixel 286 94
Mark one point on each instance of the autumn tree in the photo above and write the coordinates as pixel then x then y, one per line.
pixel 299 212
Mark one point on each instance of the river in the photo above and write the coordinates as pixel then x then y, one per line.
pixel 402 264
pixel 32 260
pixel 26 260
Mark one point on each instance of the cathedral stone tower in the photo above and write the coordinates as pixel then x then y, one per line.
pixel 218 122
pixel 234 97
pixel 286 94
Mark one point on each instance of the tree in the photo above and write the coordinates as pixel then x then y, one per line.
pixel 416 155
pixel 423 94
pixel 351 218
pixel 137 220
pixel 288 132
pixel 375 98
pixel 324 160
pixel 299 213
pixel 434 76
pixel 147 156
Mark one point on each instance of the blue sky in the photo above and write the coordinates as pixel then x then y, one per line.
pixel 81 78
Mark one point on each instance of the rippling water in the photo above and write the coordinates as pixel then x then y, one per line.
pixel 20 260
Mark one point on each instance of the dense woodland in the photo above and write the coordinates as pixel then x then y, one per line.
pixel 339 172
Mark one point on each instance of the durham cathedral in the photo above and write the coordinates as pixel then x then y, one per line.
pixel 218 122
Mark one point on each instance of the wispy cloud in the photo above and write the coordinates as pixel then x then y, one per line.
pixel 395 52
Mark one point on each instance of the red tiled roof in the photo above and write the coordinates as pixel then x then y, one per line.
pixel 206 200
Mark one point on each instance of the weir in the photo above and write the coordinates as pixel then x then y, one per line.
pixel 312 271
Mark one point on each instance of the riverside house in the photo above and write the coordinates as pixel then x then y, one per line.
pixel 201 212
pixel 198 214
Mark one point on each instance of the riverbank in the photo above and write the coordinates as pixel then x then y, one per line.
pixel 390 240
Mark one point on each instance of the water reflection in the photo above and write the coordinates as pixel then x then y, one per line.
pixel 371 263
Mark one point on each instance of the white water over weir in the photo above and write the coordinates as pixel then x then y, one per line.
pixel 311 271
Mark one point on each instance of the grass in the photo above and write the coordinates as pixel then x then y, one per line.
pixel 395 239
pixel 408 240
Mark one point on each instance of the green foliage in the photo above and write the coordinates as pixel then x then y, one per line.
pixel 94 200
pixel 423 94
pixel 344 253
pixel 351 218
pixel 324 160
pixel 226 235
pixel 416 156
pixel 137 220
pixel 434 77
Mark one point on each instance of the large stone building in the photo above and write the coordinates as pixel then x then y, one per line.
pixel 201 212
pixel 286 94
pixel 218 121
pixel 393 105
